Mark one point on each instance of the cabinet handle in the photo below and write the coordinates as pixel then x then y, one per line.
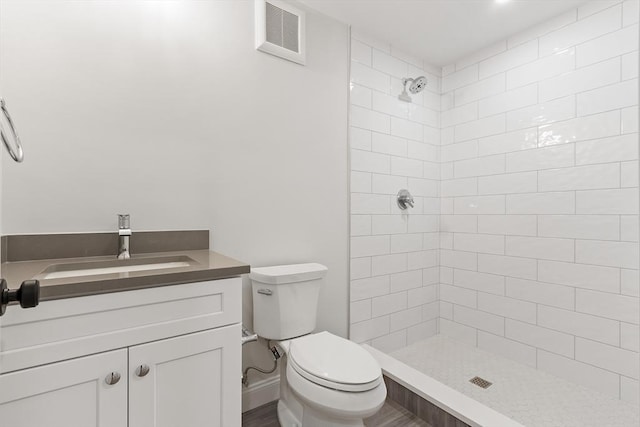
pixel 112 378
pixel 142 370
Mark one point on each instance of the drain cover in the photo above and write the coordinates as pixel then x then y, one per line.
pixel 480 382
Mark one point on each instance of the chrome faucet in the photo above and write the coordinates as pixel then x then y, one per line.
pixel 124 233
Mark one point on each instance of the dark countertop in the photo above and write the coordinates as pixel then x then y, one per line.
pixel 204 265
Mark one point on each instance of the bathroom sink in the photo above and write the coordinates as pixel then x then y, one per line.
pixel 115 266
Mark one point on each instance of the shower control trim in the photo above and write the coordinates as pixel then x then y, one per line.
pixel 405 199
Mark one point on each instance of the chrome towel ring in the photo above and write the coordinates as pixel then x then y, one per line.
pixel 15 150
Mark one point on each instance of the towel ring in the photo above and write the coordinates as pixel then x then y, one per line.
pixel 15 153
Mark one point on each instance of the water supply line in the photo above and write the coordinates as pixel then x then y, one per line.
pixel 248 336
pixel 274 352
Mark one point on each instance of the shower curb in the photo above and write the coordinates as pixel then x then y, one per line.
pixel 461 407
pixel 420 407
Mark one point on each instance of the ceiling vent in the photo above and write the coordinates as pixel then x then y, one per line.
pixel 280 30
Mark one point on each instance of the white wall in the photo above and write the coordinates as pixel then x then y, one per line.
pixel 394 145
pixel 539 252
pixel 165 110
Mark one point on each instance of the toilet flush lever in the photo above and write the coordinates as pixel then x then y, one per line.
pixel 268 292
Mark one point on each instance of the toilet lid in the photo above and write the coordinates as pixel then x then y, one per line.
pixel 334 362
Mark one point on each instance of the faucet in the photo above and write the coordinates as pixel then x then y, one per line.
pixel 124 233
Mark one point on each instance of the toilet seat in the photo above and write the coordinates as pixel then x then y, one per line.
pixel 334 362
pixel 336 403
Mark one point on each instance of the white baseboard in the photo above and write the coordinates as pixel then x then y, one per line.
pixel 260 393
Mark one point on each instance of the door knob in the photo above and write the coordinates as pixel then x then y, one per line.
pixel 28 294
pixel 142 370
pixel 112 378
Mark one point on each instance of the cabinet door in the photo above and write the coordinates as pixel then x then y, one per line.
pixel 73 393
pixel 192 380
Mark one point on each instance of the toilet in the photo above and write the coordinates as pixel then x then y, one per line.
pixel 325 380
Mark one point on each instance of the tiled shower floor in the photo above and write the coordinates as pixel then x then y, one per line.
pixel 531 397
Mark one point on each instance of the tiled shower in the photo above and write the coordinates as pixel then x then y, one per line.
pixel 523 159
pixel 394 145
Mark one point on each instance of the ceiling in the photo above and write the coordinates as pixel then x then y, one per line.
pixel 441 31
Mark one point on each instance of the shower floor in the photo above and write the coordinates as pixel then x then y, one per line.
pixel 531 397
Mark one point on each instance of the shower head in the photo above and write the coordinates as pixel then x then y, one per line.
pixel 417 85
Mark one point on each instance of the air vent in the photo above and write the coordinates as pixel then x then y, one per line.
pixel 280 30
pixel 480 382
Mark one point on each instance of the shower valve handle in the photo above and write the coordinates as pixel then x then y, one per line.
pixel 404 199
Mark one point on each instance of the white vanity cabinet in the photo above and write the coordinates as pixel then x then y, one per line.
pixel 72 393
pixel 177 350
pixel 192 380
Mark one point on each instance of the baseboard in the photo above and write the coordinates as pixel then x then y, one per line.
pixel 260 393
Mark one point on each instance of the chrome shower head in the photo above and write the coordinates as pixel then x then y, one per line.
pixel 417 85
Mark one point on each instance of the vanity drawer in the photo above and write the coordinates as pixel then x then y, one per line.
pixel 73 327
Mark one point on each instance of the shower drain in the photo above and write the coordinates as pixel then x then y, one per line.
pixel 480 382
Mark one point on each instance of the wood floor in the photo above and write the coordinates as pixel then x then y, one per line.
pixel 263 416
pixel 391 415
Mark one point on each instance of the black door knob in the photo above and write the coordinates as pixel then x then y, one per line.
pixel 28 294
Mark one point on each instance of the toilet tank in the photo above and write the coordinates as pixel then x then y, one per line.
pixel 285 299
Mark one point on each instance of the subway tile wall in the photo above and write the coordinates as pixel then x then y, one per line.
pixel 539 198
pixel 394 145
pixel 523 160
